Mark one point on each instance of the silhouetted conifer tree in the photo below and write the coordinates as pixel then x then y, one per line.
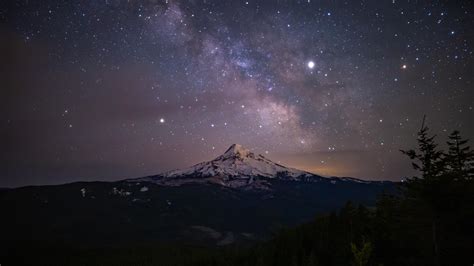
pixel 428 159
pixel 460 157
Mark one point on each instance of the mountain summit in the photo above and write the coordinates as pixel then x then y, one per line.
pixel 236 150
pixel 236 167
pixel 237 162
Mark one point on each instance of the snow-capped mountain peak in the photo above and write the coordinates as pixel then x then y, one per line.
pixel 237 162
pixel 236 167
pixel 236 150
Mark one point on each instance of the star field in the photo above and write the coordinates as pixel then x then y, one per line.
pixel 105 90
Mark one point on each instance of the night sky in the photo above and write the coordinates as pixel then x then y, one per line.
pixel 106 90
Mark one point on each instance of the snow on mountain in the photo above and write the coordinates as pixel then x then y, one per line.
pixel 237 162
pixel 237 167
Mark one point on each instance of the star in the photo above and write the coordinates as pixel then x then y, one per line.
pixel 162 120
pixel 311 64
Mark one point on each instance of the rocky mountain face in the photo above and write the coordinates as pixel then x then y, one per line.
pixel 238 167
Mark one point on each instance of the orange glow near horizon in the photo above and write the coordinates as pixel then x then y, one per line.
pixel 324 170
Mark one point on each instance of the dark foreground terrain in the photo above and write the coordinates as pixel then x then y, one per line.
pixel 126 223
pixel 121 214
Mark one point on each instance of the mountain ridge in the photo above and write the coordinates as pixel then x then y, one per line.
pixel 238 167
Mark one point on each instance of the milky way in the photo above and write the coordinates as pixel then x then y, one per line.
pixel 105 90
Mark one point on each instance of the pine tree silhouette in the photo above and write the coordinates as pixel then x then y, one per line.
pixel 460 157
pixel 429 161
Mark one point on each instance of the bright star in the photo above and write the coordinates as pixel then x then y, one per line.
pixel 311 64
pixel 162 120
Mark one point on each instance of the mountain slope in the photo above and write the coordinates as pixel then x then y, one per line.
pixel 237 167
pixel 239 162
